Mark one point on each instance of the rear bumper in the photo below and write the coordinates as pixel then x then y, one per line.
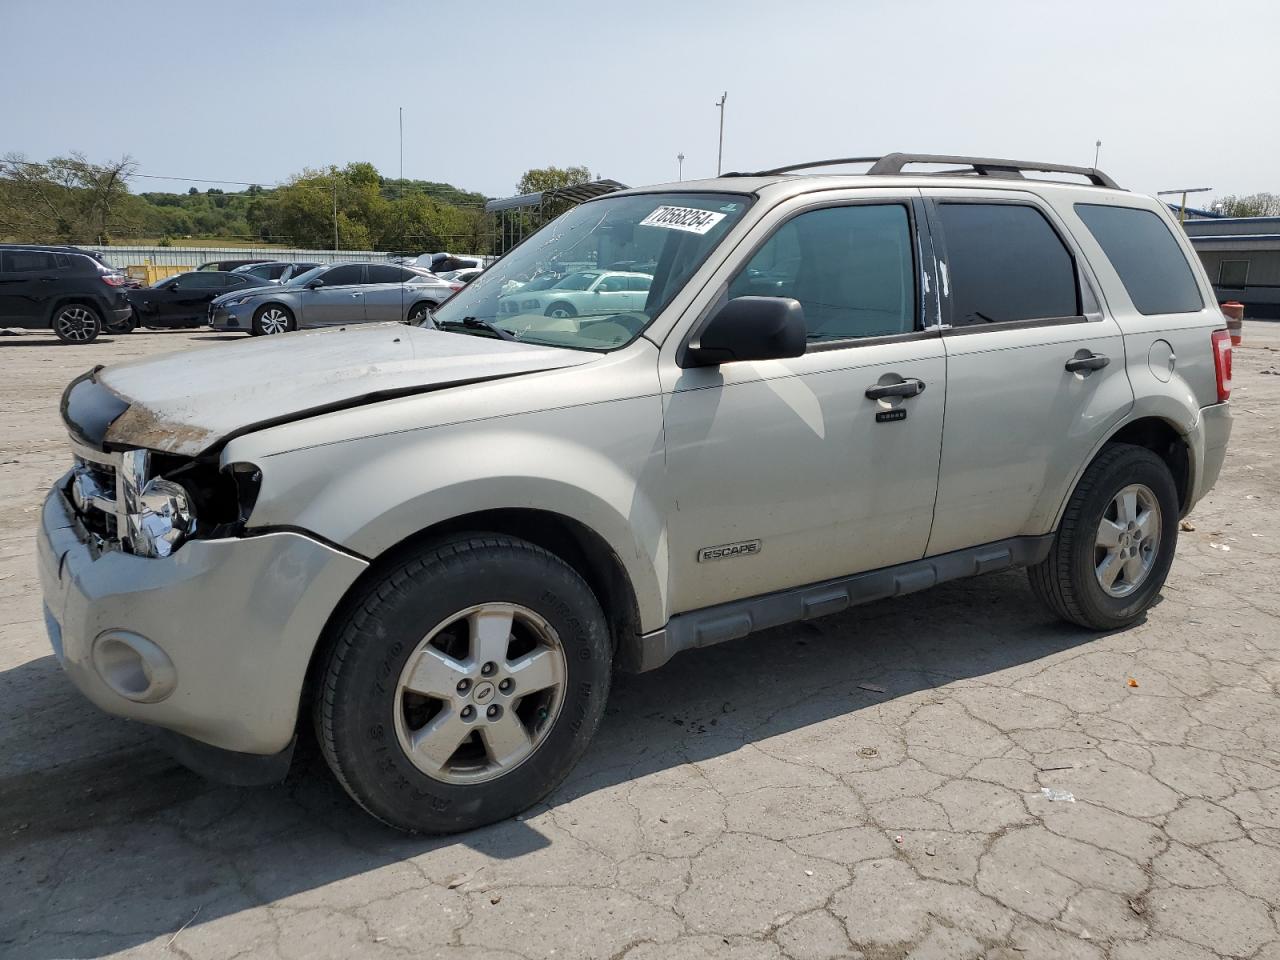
pixel 231 623
pixel 1208 449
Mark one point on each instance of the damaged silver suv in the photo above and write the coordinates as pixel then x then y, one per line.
pixel 437 542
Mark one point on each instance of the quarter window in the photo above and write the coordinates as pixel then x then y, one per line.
pixel 850 267
pixel 29 261
pixel 1005 263
pixel 1149 261
pixel 1233 273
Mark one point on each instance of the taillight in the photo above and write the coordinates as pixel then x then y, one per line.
pixel 1222 363
pixel 113 280
pixel 456 286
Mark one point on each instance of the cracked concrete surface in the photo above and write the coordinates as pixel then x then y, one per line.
pixel 747 801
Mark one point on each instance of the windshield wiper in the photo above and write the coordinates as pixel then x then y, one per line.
pixel 475 323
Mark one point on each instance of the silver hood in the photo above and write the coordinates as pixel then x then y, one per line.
pixel 187 402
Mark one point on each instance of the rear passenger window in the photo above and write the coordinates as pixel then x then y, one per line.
pixel 1005 262
pixel 850 267
pixel 30 261
pixel 1149 261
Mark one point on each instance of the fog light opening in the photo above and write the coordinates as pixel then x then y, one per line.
pixel 134 667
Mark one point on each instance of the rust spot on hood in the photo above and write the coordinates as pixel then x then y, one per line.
pixel 140 427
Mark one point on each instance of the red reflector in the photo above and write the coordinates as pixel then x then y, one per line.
pixel 1221 340
pixel 113 280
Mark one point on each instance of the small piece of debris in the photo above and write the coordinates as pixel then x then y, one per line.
pixel 929 851
pixel 1186 526
pixel 1137 907
pixel 808 873
pixel 1052 793
pixel 1132 682
pixel 898 838
pixel 868 753
pixel 873 687
pixel 379 939
pixel 459 880
pixel 495 900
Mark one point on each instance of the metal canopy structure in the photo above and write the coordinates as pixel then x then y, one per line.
pixel 523 214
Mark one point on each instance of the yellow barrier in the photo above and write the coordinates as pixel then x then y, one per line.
pixel 149 273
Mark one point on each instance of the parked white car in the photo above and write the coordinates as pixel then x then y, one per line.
pixel 587 293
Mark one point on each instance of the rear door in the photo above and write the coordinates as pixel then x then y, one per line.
pixel 1035 365
pixel 387 297
pixel 340 300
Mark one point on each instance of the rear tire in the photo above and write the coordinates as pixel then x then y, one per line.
pixel 272 319
pixel 76 323
pixel 419 312
pixel 1116 542
pixel 463 684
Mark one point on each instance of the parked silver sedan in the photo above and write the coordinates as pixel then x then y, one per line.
pixel 334 294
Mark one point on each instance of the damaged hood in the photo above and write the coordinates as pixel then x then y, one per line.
pixel 186 402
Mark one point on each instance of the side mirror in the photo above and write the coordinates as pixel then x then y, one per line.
pixel 315 284
pixel 749 328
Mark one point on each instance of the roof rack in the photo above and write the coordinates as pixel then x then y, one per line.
pixel 891 164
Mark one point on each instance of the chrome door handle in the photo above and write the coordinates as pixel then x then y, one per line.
pixel 1094 361
pixel 907 388
pixel 354 296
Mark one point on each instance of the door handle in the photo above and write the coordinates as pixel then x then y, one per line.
pixel 1094 361
pixel 355 296
pixel 907 388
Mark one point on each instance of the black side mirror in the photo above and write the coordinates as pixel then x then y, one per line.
pixel 749 328
pixel 315 284
pixel 173 286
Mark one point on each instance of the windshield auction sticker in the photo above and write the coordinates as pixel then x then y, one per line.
pixel 689 219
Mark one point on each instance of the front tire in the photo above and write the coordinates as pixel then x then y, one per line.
pixel 561 310
pixel 77 323
pixel 272 319
pixel 1114 548
pixel 463 685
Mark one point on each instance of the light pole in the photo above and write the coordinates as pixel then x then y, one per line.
pixel 1097 148
pixel 679 166
pixel 1182 211
pixel 720 152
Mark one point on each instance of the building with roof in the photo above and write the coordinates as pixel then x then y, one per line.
pixel 1242 258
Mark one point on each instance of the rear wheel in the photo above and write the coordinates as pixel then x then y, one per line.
pixel 464 684
pixel 77 323
pixel 272 319
pixel 1114 548
pixel 419 312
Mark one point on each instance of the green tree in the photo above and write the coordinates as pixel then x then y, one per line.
pixel 540 179
pixel 67 199
pixel 1253 205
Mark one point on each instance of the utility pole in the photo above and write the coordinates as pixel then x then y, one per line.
pixel 1182 211
pixel 1097 148
pixel 679 166
pixel 402 150
pixel 720 152
pixel 335 211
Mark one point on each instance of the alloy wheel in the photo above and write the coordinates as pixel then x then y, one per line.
pixel 1128 540
pixel 77 323
pixel 273 320
pixel 480 693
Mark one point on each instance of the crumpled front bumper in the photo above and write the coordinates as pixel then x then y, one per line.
pixel 238 619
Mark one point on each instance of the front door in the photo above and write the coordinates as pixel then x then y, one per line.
pixel 786 472
pixel 387 296
pixel 1035 367
pixel 339 300
pixel 27 280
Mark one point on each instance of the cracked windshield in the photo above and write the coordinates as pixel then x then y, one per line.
pixel 594 278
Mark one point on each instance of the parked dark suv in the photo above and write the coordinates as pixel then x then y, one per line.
pixel 62 289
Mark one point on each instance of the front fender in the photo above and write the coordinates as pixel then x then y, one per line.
pixel 598 464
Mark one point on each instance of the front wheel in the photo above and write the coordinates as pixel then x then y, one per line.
pixel 561 310
pixel 272 319
pixel 77 323
pixel 463 684
pixel 418 313
pixel 1113 550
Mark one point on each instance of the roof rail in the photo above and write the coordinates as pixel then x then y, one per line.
pixel 891 164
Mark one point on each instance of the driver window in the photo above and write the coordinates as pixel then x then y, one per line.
pixel 850 267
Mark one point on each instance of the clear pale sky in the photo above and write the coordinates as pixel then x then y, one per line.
pixel 1181 93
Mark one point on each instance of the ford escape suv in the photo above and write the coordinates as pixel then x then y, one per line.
pixel 435 543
